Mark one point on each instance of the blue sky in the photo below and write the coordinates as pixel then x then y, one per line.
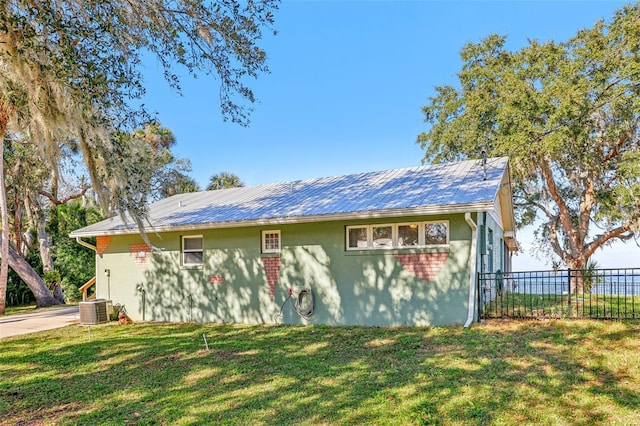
pixel 347 83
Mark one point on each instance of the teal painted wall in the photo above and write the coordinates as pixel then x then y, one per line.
pixel 366 287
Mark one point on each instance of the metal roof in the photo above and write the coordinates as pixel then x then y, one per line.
pixel 441 188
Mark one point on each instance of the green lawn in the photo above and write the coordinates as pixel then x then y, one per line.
pixel 528 372
pixel 27 309
pixel 24 309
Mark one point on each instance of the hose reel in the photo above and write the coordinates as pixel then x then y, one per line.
pixel 302 300
pixel 305 302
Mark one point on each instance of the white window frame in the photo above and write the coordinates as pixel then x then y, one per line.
pixel 395 235
pixel 185 250
pixel 367 241
pixel 264 241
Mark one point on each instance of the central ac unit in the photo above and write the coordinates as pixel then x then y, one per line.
pixel 93 312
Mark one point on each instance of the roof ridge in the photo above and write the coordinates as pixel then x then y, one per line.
pixel 372 172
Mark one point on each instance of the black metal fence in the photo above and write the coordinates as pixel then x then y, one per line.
pixel 593 293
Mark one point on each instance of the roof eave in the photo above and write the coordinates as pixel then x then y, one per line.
pixel 369 214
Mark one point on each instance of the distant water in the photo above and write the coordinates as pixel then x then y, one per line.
pixel 630 286
pixel 606 283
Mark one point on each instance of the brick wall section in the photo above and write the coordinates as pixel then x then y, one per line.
pixel 272 269
pixel 216 279
pixel 141 253
pixel 102 244
pixel 423 265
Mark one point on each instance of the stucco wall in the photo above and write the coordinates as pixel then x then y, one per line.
pixel 237 283
pixel 493 256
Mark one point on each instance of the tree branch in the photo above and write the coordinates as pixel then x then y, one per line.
pixel 544 210
pixel 564 213
pixel 553 238
pixel 609 235
pixel 621 140
pixel 65 200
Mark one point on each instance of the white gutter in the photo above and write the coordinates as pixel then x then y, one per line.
pixel 80 241
pixel 472 277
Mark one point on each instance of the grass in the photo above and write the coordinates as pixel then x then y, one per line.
pixel 11 310
pixel 499 373
pixel 27 309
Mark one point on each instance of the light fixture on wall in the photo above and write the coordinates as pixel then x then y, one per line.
pixel 107 272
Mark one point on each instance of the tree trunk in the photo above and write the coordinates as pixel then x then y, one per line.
pixel 31 278
pixel 45 249
pixel 578 268
pixel 4 245
pixel 58 294
pixel 4 249
pixel 38 222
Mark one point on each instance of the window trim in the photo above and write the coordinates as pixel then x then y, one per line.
pixel 264 234
pixel 184 250
pixel 395 235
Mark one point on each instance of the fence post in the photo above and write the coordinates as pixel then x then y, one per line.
pixel 479 297
pixel 569 312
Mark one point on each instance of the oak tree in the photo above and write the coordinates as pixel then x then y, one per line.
pixel 70 71
pixel 568 115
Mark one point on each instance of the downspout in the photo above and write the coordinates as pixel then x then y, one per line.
pixel 83 243
pixel 472 277
pixel 80 241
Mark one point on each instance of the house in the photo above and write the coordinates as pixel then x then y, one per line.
pixel 382 248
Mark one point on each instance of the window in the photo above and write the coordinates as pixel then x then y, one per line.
pixel 192 252
pixel 435 233
pixel 408 235
pixel 398 235
pixel 383 236
pixel 358 237
pixel 271 241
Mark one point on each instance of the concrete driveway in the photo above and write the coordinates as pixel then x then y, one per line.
pixel 14 325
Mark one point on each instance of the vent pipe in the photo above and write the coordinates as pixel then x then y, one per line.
pixel 484 164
